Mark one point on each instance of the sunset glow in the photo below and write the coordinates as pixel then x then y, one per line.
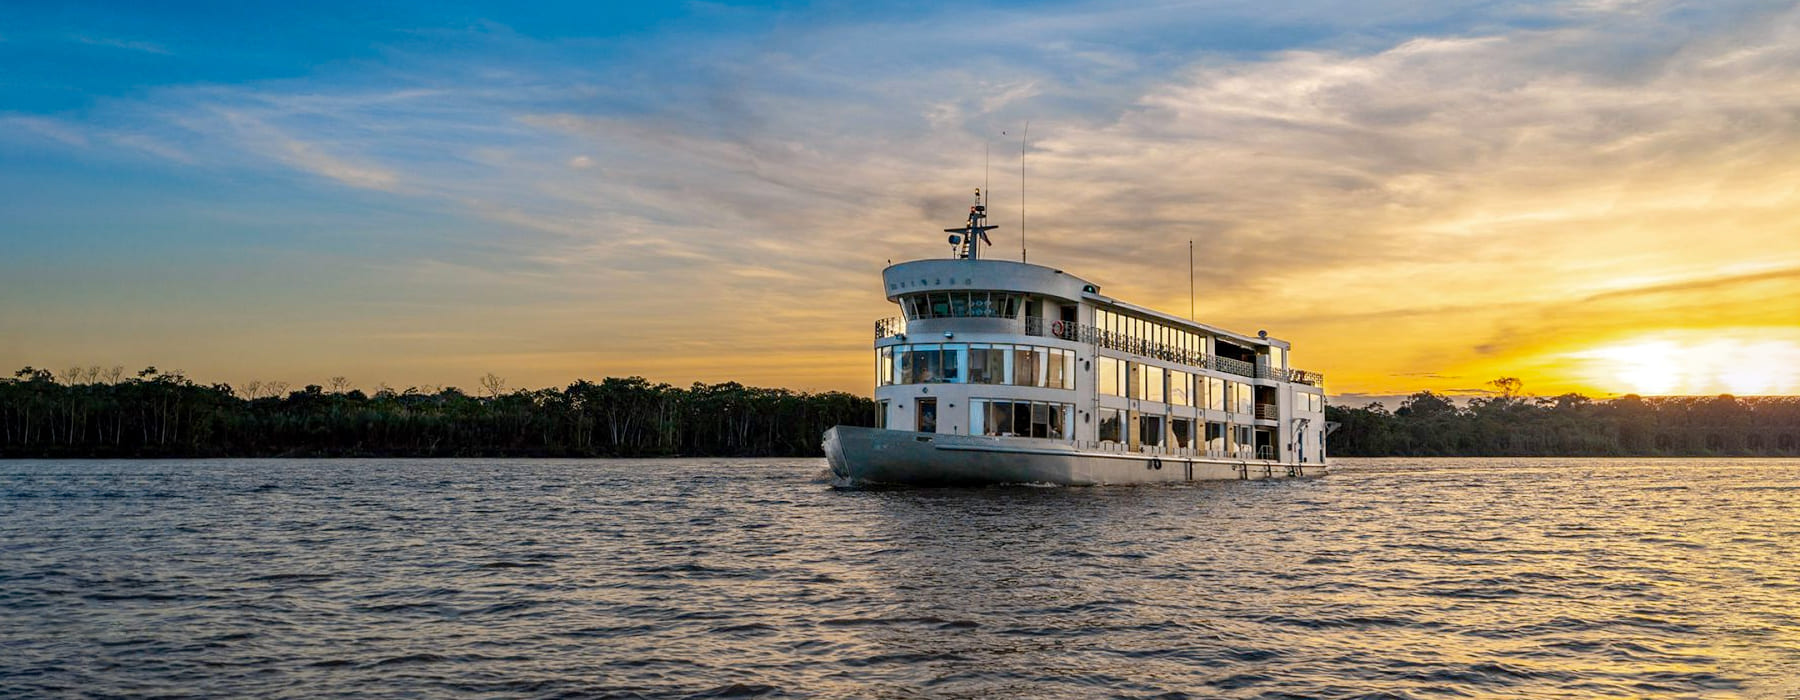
pixel 1592 197
pixel 1746 363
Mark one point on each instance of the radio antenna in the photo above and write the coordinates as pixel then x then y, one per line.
pixel 1024 140
pixel 1191 279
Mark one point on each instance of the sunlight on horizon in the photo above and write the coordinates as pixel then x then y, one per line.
pixel 1745 362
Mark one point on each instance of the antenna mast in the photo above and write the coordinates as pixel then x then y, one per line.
pixel 966 242
pixel 1024 140
pixel 1191 279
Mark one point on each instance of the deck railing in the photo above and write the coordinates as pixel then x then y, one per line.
pixel 1226 364
pixel 1305 377
pixel 889 326
pixel 1268 411
pixel 1195 451
pixel 1082 333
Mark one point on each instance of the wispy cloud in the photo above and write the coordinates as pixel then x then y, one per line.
pixel 1464 182
pixel 126 44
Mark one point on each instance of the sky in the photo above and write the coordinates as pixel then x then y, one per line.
pixel 1599 196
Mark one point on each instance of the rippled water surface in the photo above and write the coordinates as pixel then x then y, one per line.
pixel 1470 578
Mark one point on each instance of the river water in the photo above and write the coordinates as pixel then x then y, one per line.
pixel 717 578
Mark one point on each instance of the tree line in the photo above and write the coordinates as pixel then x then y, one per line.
pixel 107 413
pixel 1571 425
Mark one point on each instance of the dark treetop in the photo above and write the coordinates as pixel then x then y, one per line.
pixel 165 414
pixel 1429 424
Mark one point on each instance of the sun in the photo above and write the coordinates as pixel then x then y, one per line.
pixel 1745 362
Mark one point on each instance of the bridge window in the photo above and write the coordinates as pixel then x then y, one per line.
pixel 961 304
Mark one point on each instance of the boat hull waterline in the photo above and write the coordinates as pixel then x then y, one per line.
pixel 862 456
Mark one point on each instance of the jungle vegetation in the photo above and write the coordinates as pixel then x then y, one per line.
pixel 1509 424
pixel 94 412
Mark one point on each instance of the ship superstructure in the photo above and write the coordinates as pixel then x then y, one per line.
pixel 1000 371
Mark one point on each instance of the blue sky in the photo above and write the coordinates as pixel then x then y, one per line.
pixel 417 193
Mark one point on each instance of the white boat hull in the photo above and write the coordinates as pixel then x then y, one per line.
pixel 872 456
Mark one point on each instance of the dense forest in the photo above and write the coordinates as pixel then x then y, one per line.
pixel 103 413
pixel 1511 425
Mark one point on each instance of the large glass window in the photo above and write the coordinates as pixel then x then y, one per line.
pixel 1244 398
pixel 1182 429
pixel 929 364
pixel 960 304
pixel 1181 390
pixel 1215 437
pixel 1112 425
pixel 981 369
pixel 1215 393
pixel 1152 378
pixel 1027 366
pixel 978 363
pixel 884 367
pixel 1005 418
pixel 1150 430
pixel 1109 370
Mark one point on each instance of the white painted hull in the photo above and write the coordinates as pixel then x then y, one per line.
pixel 862 456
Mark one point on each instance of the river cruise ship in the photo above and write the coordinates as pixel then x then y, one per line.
pixel 1007 372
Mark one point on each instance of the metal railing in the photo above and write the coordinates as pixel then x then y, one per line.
pixel 1268 411
pixel 1082 333
pixel 1196 451
pixel 1228 365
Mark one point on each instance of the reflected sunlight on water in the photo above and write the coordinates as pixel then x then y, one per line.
pixel 1392 578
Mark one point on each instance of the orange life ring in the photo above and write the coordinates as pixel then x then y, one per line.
pixel 1056 329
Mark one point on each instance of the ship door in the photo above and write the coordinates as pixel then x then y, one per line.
pixel 927 415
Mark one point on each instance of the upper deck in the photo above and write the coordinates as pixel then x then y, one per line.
pixel 1006 297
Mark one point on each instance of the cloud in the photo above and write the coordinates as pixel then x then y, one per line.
pixel 129 45
pixel 1394 187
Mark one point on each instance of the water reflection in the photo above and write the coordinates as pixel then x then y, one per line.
pixel 669 578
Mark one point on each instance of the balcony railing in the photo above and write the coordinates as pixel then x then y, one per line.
pixel 1300 376
pixel 1268 411
pixel 1082 333
pixel 1305 377
pixel 1226 364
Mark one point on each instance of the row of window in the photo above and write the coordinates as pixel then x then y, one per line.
pixel 1306 401
pixel 976 363
pixel 1008 418
pixel 1136 380
pixel 1149 331
pixel 961 305
pixel 1180 432
pixel 1142 336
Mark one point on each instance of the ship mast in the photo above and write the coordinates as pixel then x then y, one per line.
pixel 966 242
